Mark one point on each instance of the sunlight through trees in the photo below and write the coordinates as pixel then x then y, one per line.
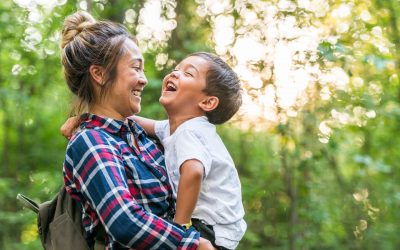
pixel 315 142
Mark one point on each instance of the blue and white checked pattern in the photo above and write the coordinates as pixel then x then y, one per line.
pixel 125 188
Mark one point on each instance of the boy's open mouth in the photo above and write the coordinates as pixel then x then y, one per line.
pixel 170 86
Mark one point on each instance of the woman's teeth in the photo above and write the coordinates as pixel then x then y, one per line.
pixel 136 92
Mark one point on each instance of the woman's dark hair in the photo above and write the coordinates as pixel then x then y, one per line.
pixel 85 42
pixel 222 82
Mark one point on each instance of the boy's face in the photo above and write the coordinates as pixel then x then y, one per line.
pixel 182 89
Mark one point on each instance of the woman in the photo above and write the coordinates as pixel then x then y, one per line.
pixel 111 166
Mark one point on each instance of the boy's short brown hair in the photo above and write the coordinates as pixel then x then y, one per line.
pixel 222 82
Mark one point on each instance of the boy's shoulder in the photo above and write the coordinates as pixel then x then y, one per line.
pixel 198 128
pixel 197 124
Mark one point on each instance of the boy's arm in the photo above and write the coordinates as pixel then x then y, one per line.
pixel 147 124
pixel 69 126
pixel 191 176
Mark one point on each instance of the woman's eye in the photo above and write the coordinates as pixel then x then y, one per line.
pixel 188 73
pixel 138 69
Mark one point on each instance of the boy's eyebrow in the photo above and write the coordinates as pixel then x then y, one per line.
pixel 192 66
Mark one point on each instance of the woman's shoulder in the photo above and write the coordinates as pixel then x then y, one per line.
pixel 90 133
pixel 90 137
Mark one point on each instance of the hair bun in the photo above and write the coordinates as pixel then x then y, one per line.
pixel 74 25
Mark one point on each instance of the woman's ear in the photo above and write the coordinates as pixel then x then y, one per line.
pixel 97 74
pixel 209 103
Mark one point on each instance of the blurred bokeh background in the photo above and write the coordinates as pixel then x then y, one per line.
pixel 315 144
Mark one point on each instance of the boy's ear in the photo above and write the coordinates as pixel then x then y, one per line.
pixel 97 74
pixel 209 103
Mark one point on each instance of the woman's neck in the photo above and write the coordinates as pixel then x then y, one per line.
pixel 106 112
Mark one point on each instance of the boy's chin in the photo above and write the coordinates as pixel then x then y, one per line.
pixel 163 101
pixel 167 105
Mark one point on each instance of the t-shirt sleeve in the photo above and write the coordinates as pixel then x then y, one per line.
pixel 161 128
pixel 191 146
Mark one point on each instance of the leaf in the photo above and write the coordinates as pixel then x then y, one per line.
pixel 363 225
pixel 361 195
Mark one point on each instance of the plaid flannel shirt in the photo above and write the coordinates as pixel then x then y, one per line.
pixel 124 188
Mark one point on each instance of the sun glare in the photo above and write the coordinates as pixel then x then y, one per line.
pixel 34 5
pixel 276 54
pixel 287 52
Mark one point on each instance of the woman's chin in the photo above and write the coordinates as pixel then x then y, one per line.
pixel 136 110
pixel 132 111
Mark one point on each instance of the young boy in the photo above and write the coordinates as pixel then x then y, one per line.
pixel 202 91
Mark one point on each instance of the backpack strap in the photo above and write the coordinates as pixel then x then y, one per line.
pixel 60 223
pixel 99 243
pixel 28 203
pixel 46 215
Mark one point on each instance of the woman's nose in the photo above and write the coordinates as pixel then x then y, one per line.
pixel 142 80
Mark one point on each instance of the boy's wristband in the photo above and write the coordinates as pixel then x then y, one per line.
pixel 187 225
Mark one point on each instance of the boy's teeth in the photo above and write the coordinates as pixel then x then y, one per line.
pixel 171 86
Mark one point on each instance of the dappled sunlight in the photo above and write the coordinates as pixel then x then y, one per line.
pixel 269 49
pixel 37 7
pixel 269 44
pixel 315 143
pixel 266 44
pixel 372 212
pixel 154 28
pixel 335 76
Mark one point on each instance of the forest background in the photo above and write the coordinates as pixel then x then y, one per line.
pixel 314 144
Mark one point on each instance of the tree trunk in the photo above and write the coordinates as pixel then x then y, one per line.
pixel 116 14
pixel 291 190
pixel 395 36
pixel 137 7
pixel 292 193
pixel 5 160
pixel 175 43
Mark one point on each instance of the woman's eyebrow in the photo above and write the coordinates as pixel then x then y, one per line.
pixel 137 60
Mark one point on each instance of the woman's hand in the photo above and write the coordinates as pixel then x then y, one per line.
pixel 69 126
pixel 205 245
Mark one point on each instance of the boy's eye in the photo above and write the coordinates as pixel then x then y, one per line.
pixel 188 73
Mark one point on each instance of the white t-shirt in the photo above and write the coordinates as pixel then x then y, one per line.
pixel 220 201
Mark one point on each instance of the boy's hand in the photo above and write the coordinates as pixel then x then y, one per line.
pixel 205 245
pixel 69 127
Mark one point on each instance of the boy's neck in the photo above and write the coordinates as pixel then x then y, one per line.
pixel 176 120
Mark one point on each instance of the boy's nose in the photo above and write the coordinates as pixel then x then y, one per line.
pixel 175 73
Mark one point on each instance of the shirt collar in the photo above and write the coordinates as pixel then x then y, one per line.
pixel 110 125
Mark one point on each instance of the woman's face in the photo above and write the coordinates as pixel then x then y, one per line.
pixel 123 98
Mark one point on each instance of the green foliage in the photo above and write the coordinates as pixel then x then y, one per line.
pixel 303 188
